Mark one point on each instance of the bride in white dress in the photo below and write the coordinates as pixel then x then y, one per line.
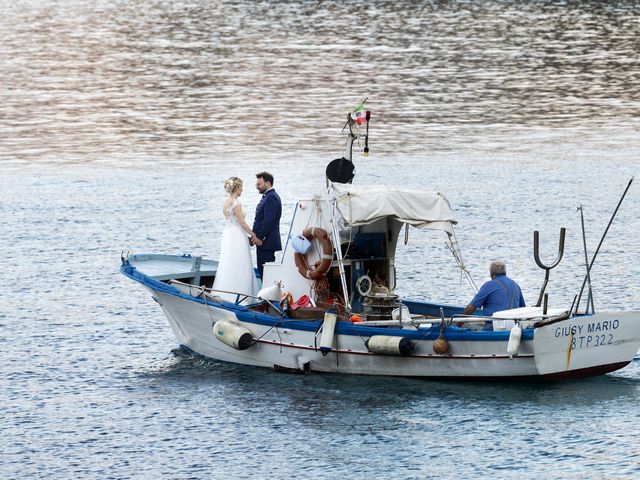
pixel 235 266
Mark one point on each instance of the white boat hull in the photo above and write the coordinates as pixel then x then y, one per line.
pixel 346 261
pixel 600 344
pixel 587 342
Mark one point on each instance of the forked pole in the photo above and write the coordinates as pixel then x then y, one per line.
pixel 546 268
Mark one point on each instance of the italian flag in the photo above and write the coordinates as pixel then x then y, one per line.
pixel 359 115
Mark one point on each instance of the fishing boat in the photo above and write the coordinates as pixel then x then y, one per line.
pixel 329 303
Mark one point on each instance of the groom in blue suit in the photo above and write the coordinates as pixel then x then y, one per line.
pixel 266 225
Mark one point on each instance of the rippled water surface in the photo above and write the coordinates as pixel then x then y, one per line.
pixel 120 120
pixel 186 80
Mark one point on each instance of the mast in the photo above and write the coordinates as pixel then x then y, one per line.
pixel 356 117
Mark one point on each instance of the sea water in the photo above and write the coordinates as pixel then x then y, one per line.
pixel 119 122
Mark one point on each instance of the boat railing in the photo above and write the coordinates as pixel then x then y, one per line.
pixel 461 320
pixel 415 321
pixel 533 320
pixel 418 321
pixel 458 317
pixel 208 292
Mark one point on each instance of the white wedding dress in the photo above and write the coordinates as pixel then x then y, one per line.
pixel 235 266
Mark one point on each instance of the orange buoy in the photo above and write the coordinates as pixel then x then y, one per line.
pixel 321 268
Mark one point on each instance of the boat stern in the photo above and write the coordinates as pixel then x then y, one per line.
pixel 586 345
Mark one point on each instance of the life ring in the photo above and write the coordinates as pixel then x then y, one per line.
pixel 321 268
pixel 364 285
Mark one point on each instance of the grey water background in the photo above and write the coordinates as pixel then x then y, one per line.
pixel 119 122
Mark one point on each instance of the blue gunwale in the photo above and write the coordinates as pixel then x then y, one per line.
pixel 342 327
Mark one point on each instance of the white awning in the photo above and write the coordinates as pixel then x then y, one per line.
pixel 364 204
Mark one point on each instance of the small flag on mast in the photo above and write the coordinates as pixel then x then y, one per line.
pixel 359 115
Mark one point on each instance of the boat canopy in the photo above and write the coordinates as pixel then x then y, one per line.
pixel 365 204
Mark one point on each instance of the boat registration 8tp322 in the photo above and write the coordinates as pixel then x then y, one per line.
pixel 577 342
pixel 593 334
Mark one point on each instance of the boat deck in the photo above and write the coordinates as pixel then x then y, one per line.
pixel 166 267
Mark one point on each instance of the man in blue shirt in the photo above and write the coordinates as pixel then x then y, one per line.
pixel 499 293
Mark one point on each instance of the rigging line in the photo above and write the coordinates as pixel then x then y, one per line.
pixel 464 269
pixel 454 248
pixel 318 210
pixel 204 297
pixel 295 211
pixel 425 335
pixel 451 249
pixel 279 335
pixel 275 325
pixel 347 225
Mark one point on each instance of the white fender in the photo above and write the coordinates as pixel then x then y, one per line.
pixel 232 334
pixel 386 345
pixel 328 328
pixel 272 293
pixel 514 340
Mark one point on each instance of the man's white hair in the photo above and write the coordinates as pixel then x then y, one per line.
pixel 497 268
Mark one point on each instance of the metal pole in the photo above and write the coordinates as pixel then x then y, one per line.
pixel 338 249
pixel 348 151
pixel 593 259
pixel 586 264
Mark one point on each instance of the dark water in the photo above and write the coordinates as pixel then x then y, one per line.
pixel 120 120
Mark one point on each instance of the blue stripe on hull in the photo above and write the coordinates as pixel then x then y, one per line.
pixel 342 328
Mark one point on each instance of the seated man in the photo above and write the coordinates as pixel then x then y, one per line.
pixel 499 293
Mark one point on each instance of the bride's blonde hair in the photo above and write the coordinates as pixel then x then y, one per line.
pixel 231 184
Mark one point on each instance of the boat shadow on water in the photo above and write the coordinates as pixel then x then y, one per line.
pixel 316 391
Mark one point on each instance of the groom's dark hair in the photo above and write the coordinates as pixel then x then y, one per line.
pixel 266 176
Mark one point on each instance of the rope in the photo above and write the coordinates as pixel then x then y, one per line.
pixel 350 229
pixel 321 288
pixel 455 250
pixel 204 297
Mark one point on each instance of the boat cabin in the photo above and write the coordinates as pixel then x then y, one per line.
pixel 360 273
